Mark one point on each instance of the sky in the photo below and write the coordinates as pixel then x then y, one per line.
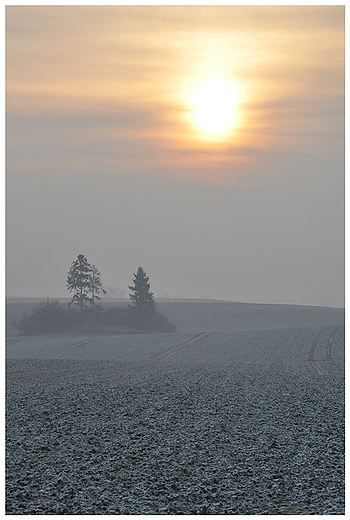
pixel 205 144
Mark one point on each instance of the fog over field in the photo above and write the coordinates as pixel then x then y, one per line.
pixel 240 413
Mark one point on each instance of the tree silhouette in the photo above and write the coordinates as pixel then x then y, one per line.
pixel 78 280
pixel 141 295
pixel 85 280
pixel 96 287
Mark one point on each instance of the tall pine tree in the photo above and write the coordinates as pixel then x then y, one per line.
pixel 84 280
pixel 96 287
pixel 141 295
pixel 78 282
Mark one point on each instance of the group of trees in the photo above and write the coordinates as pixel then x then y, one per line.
pixel 84 280
pixel 84 309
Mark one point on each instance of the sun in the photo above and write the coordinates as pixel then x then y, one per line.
pixel 213 104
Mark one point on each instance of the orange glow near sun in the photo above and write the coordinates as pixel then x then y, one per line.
pixel 213 109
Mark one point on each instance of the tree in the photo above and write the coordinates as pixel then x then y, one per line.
pixel 141 295
pixel 95 286
pixel 79 281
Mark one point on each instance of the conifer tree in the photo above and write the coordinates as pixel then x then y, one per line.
pixel 141 295
pixel 96 287
pixel 85 280
pixel 78 280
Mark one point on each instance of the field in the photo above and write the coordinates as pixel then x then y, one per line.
pixel 240 412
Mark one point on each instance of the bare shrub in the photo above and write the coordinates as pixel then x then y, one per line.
pixel 49 316
pixel 134 319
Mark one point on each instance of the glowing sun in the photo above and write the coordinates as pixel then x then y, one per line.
pixel 213 104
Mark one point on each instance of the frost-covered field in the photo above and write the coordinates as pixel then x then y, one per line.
pixel 258 346
pixel 225 422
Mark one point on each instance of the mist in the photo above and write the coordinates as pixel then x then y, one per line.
pixel 277 238
pixel 108 165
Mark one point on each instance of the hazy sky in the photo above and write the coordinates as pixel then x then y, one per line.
pixel 205 144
